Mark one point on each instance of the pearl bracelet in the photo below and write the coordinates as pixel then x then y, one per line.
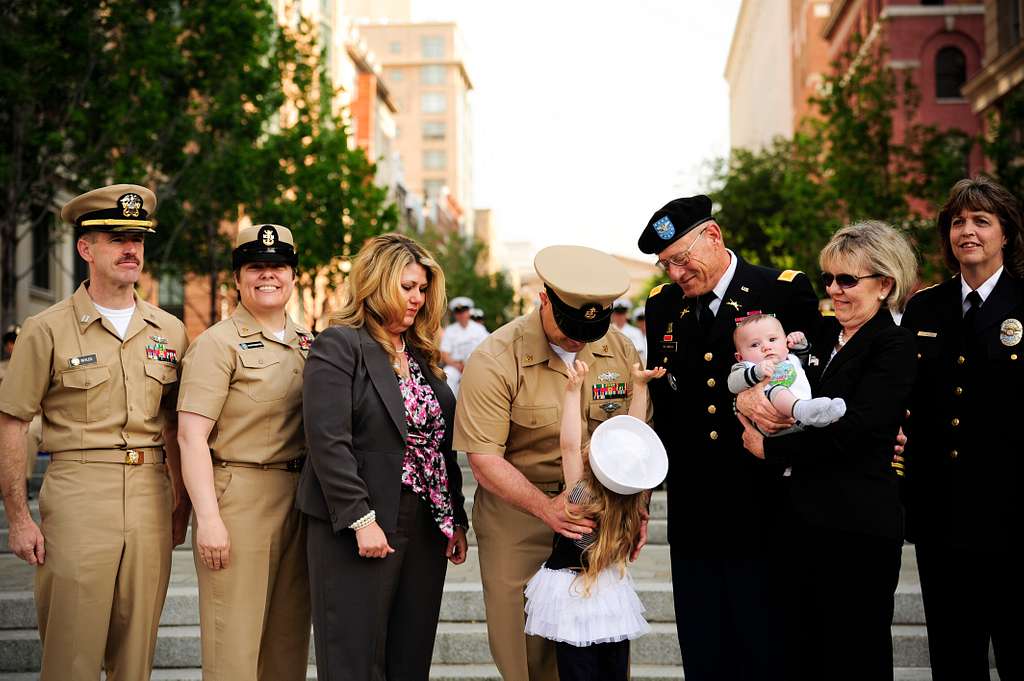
pixel 365 521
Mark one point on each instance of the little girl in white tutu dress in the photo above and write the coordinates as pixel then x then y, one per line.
pixel 583 598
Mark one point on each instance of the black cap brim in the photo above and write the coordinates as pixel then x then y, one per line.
pixel 240 257
pixel 573 322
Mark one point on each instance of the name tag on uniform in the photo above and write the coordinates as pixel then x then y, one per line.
pixel 251 345
pixel 82 360
pixel 608 391
pixel 928 334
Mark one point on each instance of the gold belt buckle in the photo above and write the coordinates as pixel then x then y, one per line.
pixel 133 458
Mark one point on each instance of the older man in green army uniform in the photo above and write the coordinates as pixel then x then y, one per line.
pixel 508 419
pixel 102 368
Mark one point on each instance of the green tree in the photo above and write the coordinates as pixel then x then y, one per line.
pixel 173 93
pixel 309 178
pixel 462 258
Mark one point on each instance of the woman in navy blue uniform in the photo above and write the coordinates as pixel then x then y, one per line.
pixel 846 521
pixel 964 470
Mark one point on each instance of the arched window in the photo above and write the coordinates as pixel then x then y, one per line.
pixel 950 73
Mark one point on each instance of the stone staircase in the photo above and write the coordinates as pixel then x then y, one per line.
pixel 461 650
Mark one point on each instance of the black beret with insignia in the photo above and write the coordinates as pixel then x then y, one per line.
pixel 672 221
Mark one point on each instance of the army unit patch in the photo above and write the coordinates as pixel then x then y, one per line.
pixel 608 391
pixel 664 228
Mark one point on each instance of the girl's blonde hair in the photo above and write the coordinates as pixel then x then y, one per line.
pixel 372 298
pixel 620 517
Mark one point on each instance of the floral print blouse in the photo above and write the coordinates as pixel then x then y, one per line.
pixel 423 468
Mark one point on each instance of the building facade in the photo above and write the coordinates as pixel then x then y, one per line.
pixel 425 70
pixel 938 45
pixel 759 75
pixel 809 54
pixel 1003 62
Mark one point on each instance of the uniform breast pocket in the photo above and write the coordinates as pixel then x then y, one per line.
pixel 159 379
pixel 534 417
pixel 262 377
pixel 87 393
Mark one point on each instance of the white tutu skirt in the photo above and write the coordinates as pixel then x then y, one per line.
pixel 557 609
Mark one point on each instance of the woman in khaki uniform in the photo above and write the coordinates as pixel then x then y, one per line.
pixel 242 443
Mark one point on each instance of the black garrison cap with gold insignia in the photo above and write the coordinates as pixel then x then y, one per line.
pixel 672 221
pixel 264 243
pixel 117 208
pixel 581 284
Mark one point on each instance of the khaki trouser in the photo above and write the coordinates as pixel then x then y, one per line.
pixel 254 614
pixel 99 594
pixel 512 546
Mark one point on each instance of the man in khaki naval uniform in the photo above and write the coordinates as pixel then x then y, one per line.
pixel 241 405
pixel 102 366
pixel 507 420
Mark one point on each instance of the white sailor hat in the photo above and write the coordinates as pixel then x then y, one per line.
pixel 627 456
pixel 639 313
pixel 621 305
pixel 459 302
pixel 476 313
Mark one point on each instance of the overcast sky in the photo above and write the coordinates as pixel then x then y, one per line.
pixel 591 114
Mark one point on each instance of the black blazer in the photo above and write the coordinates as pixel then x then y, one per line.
pixel 963 481
pixel 842 476
pixel 355 431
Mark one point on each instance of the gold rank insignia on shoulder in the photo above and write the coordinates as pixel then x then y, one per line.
pixel 789 275
pixel 656 290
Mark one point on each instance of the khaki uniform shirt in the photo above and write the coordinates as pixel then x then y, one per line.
pixel 510 400
pixel 95 390
pixel 238 374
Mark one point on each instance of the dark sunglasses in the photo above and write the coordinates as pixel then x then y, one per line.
pixel 844 280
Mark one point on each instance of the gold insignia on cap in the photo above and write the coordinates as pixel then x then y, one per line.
pixel 590 312
pixel 267 237
pixel 1010 332
pixel 130 204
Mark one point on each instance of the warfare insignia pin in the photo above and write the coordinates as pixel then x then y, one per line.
pixel 664 228
pixel 607 376
pixel 130 204
pixel 1010 332
pixel 158 339
pixel 611 407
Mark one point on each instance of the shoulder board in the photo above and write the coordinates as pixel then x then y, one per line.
pixel 926 288
pixel 656 290
pixel 789 275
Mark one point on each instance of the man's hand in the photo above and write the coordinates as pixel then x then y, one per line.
pixel 752 439
pixel 755 406
pixel 556 516
pixel 642 540
pixel 26 541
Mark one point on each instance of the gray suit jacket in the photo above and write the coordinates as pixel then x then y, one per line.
pixel 355 431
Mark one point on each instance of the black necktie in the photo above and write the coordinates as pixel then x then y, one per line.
pixel 971 316
pixel 706 316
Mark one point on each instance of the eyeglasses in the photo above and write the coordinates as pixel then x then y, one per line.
pixel 681 259
pixel 845 281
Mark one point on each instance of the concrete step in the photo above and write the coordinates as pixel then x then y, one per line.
pixel 487 672
pixel 462 602
pixel 457 643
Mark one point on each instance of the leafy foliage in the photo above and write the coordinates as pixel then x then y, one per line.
pixel 462 258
